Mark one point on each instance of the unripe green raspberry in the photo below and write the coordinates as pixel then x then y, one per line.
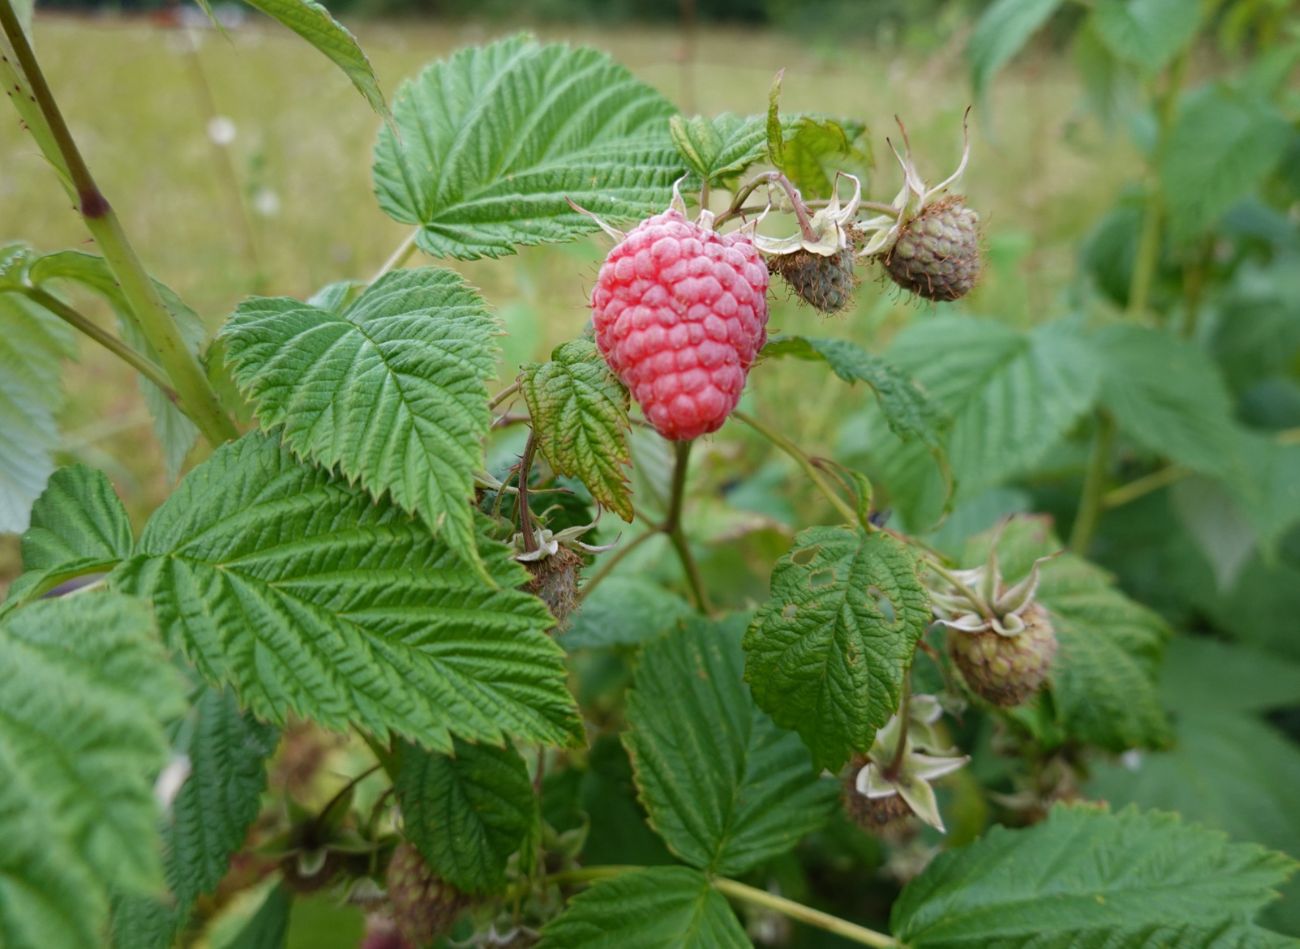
pixel 555 582
pixel 424 905
pixel 1006 670
pixel 881 816
pixel 937 254
pixel 826 283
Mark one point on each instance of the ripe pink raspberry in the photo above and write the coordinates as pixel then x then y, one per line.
pixel 680 313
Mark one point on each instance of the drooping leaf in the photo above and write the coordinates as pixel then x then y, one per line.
pixel 623 611
pixel 1146 33
pixel 490 143
pixel 176 433
pixel 210 816
pixel 647 909
pixel 1001 31
pixel 81 741
pixel 1167 394
pixel 817 147
pixel 311 598
pixel 313 22
pixel 392 389
pixel 579 415
pixel 723 785
pixel 32 347
pixel 1222 144
pixel 906 409
pixel 827 654
pixel 1104 675
pixel 1087 877
pixel 466 812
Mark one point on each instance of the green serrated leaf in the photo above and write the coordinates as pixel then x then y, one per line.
pixel 723 785
pixel 311 598
pixel 144 922
pixel 623 611
pixel 773 127
pixel 210 816
pixel 466 812
pixel 1168 395
pixel 1104 674
pixel 392 390
pixel 1086 877
pixel 81 740
pixel 1003 28
pixel 651 908
pixel 561 123
pixel 1146 33
pixel 32 347
pixel 579 414
pixel 817 148
pixel 827 654
pixel 907 410
pixel 314 23
pixel 1222 144
pixel 176 433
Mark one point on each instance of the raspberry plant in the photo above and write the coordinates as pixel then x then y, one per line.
pixel 554 737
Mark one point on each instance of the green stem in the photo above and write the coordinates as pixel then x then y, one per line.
pixel 1148 250
pixel 398 257
pixel 525 516
pixel 672 526
pixel 613 561
pixel 1141 487
pixel 155 321
pixel 805 914
pixel 138 361
pixel 804 462
pixel 387 760
pixel 1094 485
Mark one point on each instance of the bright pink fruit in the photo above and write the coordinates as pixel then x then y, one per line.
pixel 680 313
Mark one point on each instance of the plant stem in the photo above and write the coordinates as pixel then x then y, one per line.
pixel 608 566
pixel 504 394
pixel 387 760
pixel 804 462
pixel 896 762
pixel 193 391
pixel 1094 484
pixel 1148 251
pixel 1141 487
pixel 525 516
pixel 672 526
pixel 879 208
pixel 805 914
pixel 398 257
pixel 137 360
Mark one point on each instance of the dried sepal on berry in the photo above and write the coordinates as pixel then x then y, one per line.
pixel 554 563
pixel 929 244
pixel 818 265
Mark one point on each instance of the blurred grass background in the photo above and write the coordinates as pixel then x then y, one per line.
pixel 139 96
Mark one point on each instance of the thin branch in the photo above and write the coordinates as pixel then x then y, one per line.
pixel 673 527
pixel 398 257
pixel 525 516
pixel 795 452
pixel 1094 485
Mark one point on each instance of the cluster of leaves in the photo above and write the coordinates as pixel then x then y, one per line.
pixel 346 561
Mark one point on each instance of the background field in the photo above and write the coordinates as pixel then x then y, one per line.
pixel 139 97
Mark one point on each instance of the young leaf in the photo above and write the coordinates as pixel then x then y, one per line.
pixel 1223 143
pixel 816 148
pixel 31 348
pixel 210 816
pixel 1146 33
pixel 308 597
pixel 1000 33
pixel 579 415
pixel 647 909
pixel 723 785
pixel 1104 674
pixel 907 410
pixel 559 123
pixel 623 611
pixel 81 740
pixel 392 390
pixel 313 23
pixel 78 526
pixel 176 433
pixel 466 812
pixel 719 149
pixel 827 654
pixel 1088 877
pixel 1167 394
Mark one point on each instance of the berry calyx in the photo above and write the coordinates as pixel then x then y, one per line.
pixel 937 252
pixel 424 906
pixel 680 313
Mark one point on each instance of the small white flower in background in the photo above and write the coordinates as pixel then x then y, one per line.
pixel 1131 759
pixel 221 130
pixel 266 202
pixel 171 780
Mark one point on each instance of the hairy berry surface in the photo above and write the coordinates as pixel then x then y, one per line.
pixel 1006 670
pixel 680 313
pixel 937 255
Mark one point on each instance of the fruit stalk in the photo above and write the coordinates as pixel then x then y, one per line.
pixel 673 527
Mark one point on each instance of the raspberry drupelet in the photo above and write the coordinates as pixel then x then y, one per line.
pixel 680 314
